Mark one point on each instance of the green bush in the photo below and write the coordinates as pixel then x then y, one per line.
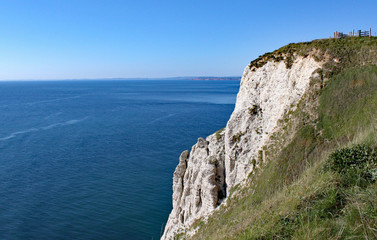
pixel 357 165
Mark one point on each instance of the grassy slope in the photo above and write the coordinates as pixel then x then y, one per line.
pixel 292 195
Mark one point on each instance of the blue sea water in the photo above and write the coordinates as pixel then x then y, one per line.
pixel 95 159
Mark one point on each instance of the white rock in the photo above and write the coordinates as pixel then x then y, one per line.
pixel 273 88
pixel 205 176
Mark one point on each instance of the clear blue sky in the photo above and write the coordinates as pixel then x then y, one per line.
pixel 63 39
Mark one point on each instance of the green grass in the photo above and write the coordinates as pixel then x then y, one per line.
pixel 355 51
pixel 321 184
pixel 356 92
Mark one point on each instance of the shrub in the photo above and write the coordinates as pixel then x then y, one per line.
pixel 219 134
pixel 357 165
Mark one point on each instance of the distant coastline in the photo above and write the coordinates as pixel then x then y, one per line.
pixel 205 78
pixel 217 78
pixel 238 78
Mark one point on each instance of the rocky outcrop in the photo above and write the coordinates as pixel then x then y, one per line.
pixel 204 177
pixel 198 184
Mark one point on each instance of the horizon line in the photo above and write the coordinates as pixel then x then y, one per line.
pixel 131 78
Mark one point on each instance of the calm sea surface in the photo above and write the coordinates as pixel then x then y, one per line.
pixel 95 159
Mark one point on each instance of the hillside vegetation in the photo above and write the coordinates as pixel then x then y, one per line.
pixel 318 176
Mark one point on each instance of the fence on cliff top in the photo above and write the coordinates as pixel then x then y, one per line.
pixel 358 33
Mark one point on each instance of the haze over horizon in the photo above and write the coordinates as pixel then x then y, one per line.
pixel 160 39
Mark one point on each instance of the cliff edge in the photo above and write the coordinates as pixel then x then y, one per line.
pixel 214 165
pixel 273 88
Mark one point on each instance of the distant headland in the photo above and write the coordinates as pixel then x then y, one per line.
pixel 215 78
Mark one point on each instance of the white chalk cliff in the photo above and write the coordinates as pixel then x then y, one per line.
pixel 205 175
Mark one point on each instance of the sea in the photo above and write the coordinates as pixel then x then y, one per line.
pixel 94 159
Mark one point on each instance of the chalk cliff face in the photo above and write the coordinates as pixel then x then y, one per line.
pixel 204 176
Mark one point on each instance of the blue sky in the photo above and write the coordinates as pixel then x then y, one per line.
pixel 63 39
